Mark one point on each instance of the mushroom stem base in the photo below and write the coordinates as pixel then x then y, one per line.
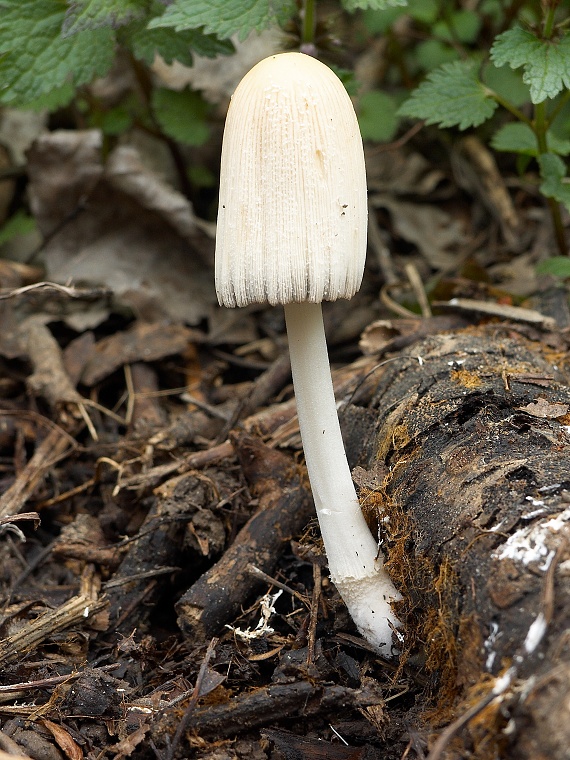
pixel 355 562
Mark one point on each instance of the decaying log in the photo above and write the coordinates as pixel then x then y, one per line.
pixel 474 428
pixel 156 551
pixel 274 703
pixel 285 506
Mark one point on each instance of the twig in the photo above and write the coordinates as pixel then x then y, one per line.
pixel 274 582
pixel 393 305
pixel 53 448
pixel 382 251
pixel 70 291
pixel 42 683
pixel 76 610
pixel 183 725
pixel 418 288
pixel 312 633
pixel 400 142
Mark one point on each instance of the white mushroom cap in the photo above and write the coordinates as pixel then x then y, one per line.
pixel 292 216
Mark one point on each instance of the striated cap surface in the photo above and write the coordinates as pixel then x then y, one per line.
pixel 292 218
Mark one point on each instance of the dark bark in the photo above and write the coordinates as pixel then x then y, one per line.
pixel 475 434
pixel 155 553
pixel 271 704
pixel 285 506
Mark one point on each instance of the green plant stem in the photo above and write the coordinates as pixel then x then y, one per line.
pixel 309 22
pixel 540 128
pixel 559 106
pixel 549 22
pixel 511 13
pixel 559 233
pixel 516 112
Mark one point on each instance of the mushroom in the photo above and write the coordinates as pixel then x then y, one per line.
pixel 292 222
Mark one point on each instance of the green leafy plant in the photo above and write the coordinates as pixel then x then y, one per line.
pixel 461 94
pixel 502 59
pixel 49 48
pixel 52 50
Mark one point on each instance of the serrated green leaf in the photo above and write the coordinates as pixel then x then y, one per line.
pixel 52 100
pixel 93 14
pixel 377 116
pixel 225 17
pixel 374 5
pixel 546 63
pixel 515 138
pixel 558 266
pixel 171 45
pixel 19 224
pixel 35 59
pixel 181 115
pixel 451 96
pixel 555 183
pixel 519 138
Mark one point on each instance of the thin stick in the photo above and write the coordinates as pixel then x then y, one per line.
pixel 314 613
pixel 183 725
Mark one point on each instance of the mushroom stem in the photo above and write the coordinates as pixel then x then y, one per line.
pixel 355 562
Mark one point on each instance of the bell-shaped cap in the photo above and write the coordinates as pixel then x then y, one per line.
pixel 292 218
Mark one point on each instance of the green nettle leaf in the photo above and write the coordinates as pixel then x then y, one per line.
pixel 555 183
pixel 374 5
pixel 181 115
pixel 93 14
pixel 519 138
pixel 171 45
pixel 558 266
pixel 52 100
pixel 451 96
pixel 34 57
pixel 515 138
pixel 377 116
pixel 546 63
pixel 225 17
